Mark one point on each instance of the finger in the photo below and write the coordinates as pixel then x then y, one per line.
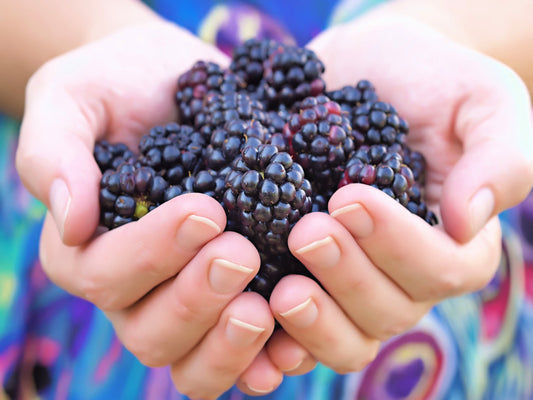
pixel 64 114
pixel 55 161
pixel 261 377
pixel 308 314
pixel 495 171
pixel 289 356
pixel 422 259
pixel 74 100
pixel 332 255
pixel 118 267
pixel 227 350
pixel 167 323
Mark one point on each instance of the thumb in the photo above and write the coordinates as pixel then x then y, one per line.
pixel 55 160
pixel 495 171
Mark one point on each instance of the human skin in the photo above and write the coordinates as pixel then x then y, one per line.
pixel 457 102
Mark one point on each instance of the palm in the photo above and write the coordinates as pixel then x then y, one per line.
pixel 132 77
pixel 446 92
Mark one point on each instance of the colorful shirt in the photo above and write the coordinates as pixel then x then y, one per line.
pixel 56 346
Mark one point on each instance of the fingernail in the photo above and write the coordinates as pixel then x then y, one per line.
pixel 294 367
pixel 481 208
pixel 323 253
pixel 59 203
pixel 356 219
pixel 241 333
pixel 227 277
pixel 259 391
pixel 303 315
pixel 195 231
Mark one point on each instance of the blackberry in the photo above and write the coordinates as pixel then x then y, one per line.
pixel 219 108
pixel 378 123
pixel 321 141
pixel 350 97
pixel 277 119
pixel 174 151
pixel 273 268
pixel 227 143
pixel 320 201
pixel 202 78
pixel 267 194
pixel 290 74
pixel 111 155
pixel 414 160
pixel 209 182
pixel 128 193
pixel 248 60
pixel 378 166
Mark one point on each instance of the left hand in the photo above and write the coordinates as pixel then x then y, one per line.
pixel 383 267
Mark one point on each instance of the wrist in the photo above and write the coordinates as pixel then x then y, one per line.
pixel 112 16
pixel 441 16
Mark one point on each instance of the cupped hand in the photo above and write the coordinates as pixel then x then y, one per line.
pixel 171 283
pixel 381 267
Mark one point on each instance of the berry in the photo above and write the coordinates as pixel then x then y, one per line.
pixel 227 143
pixel 202 78
pixel 321 140
pixel 273 268
pixel 380 167
pixel 350 97
pixel 290 74
pixel 128 193
pixel 218 109
pixel 267 194
pixel 110 156
pixel 378 123
pixel 414 160
pixel 174 151
pixel 208 181
pixel 248 60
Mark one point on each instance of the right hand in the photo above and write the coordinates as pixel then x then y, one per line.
pixel 171 283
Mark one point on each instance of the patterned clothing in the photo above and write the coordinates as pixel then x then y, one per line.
pixel 55 346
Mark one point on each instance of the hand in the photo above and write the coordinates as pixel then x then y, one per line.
pixel 383 268
pixel 171 283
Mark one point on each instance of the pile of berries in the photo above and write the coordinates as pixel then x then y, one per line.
pixel 270 143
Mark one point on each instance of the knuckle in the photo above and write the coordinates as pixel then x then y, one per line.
pixel 185 308
pixel 190 388
pixel 149 263
pixel 225 367
pixel 358 362
pixel 400 325
pixel 449 282
pixel 141 345
pixel 93 288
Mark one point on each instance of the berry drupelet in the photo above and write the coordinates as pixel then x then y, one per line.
pixel 267 194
